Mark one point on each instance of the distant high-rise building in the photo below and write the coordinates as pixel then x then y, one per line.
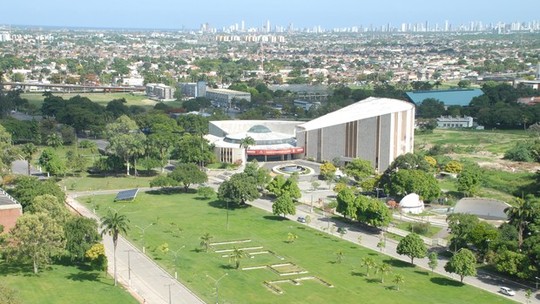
pixel 446 26
pixel 267 26
pixel 243 27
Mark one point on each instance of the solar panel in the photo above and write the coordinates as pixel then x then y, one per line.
pixel 126 195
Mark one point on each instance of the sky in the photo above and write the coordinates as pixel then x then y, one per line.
pixel 181 14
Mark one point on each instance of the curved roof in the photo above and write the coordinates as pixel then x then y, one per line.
pixel 486 208
pixel 367 108
pixel 411 200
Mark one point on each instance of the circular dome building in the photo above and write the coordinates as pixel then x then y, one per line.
pixel 274 140
pixel 411 203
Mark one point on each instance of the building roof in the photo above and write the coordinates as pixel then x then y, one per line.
pixel 411 200
pixel 486 208
pixel 6 201
pixel 367 108
pixel 448 97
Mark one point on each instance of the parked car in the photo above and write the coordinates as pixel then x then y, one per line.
pixel 507 291
pixel 301 219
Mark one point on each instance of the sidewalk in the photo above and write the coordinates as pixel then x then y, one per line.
pixel 139 274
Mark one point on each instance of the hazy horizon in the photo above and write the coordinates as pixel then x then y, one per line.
pixel 170 14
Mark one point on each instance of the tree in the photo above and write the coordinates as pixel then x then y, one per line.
pixel 261 174
pixel 206 192
pixel 50 205
pixel 236 256
pixel 51 162
pixel 383 269
pixel 28 150
pixel 464 83
pixel 283 205
pixel 369 263
pixel 279 186
pixel 412 246
pixel 193 124
pixel 246 143
pixel 347 203
pixel 193 149
pixel 521 214
pixel 433 260
pixel 113 224
pixel 187 174
pixel 359 169
pixel 37 238
pixel 398 280
pixel 96 256
pixel 80 234
pixel 372 212
pixel 469 180
pixel 239 189
pixel 407 181
pixel 54 140
pixel 463 263
pixel 431 108
pixel 125 139
pixel 205 241
pixel 291 237
pixel 461 227
pixel 328 171
pixel 28 187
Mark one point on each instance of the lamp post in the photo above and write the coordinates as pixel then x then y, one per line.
pixel 217 285
pixel 143 230
pixel 537 278
pixel 175 259
pixel 129 266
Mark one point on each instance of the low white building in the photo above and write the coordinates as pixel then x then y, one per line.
pixel 448 122
pixel 411 203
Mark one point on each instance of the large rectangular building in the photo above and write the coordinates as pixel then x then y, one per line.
pixel 374 129
pixel 225 97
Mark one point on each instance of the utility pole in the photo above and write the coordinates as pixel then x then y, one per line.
pixel 143 230
pixel 129 266
pixel 175 260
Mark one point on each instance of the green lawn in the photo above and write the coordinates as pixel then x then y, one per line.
pixel 98 182
pixel 181 219
pixel 63 284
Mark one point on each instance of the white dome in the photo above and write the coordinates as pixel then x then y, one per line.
pixel 411 203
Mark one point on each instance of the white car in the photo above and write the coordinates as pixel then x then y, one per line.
pixel 507 291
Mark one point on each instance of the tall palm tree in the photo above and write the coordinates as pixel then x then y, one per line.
pixel 245 143
pixel 113 224
pixel 520 214
pixel 236 256
pixel 205 241
pixel 28 150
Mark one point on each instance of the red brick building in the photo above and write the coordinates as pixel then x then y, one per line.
pixel 10 210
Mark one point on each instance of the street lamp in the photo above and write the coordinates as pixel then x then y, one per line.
pixel 175 259
pixel 217 285
pixel 129 266
pixel 537 278
pixel 142 232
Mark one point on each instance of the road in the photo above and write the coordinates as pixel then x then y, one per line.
pixel 145 279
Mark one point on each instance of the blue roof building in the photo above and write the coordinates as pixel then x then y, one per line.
pixel 458 97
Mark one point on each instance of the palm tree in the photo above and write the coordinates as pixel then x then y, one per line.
pixel 236 256
pixel 398 279
pixel 28 151
pixel 520 215
pixel 291 237
pixel 369 263
pixel 114 224
pixel 245 143
pixel 54 140
pixel 384 269
pixel 205 241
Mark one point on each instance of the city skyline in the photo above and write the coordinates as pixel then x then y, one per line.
pixel 168 14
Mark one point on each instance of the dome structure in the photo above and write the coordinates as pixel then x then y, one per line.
pixel 411 203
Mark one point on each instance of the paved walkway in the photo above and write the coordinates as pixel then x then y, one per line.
pixel 146 280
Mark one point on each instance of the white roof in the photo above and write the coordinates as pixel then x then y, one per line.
pixel 367 108
pixel 411 200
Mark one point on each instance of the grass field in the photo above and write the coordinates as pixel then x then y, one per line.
pixel 475 141
pixel 36 99
pixel 181 219
pixel 63 284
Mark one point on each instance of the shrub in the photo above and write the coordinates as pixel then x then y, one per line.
pixel 522 151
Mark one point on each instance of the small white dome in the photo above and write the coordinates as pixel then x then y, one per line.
pixel 411 203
